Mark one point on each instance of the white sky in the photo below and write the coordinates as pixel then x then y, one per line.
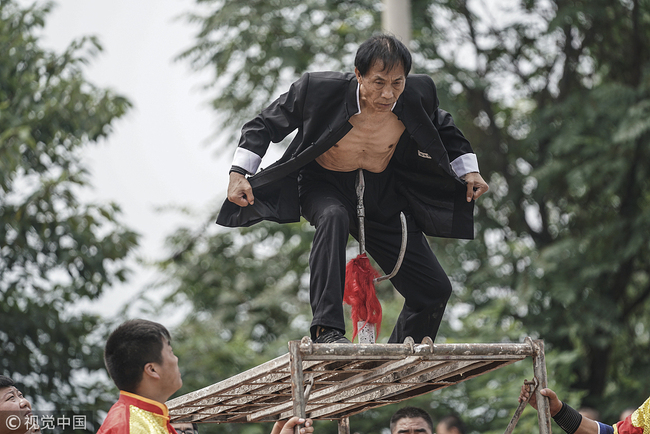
pixel 159 153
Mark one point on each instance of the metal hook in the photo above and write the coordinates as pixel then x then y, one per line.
pixel 361 214
pixel 310 384
pixel 402 251
pixel 532 386
pixel 361 211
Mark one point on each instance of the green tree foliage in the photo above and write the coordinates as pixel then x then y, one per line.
pixel 249 298
pixel 554 97
pixel 256 277
pixel 565 230
pixel 257 47
pixel 56 250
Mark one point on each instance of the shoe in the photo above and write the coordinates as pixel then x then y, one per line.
pixel 330 336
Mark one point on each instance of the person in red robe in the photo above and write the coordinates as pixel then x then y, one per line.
pixel 140 360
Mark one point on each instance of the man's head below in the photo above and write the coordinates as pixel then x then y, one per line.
pixel 139 358
pixel 411 420
pixel 14 408
pixel 186 427
pixel 450 425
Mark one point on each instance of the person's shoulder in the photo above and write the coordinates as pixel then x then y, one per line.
pixel 419 81
pixel 419 77
pixel 643 413
pixel 419 89
pixel 325 84
pixel 117 421
pixel 328 76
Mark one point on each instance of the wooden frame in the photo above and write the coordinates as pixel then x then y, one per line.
pixel 336 381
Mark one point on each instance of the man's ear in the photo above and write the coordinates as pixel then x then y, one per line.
pixel 358 74
pixel 150 370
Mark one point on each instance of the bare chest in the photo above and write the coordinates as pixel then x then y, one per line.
pixel 368 145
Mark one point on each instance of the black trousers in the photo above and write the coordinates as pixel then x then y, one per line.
pixel 328 201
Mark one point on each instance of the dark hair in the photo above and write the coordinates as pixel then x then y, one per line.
pixel 382 48
pixel 131 346
pixel 6 382
pixel 411 413
pixel 453 421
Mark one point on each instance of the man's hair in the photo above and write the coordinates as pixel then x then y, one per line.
pixel 130 347
pixel 382 48
pixel 410 413
pixel 453 421
pixel 6 382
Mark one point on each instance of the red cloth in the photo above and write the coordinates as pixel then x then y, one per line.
pixel 360 293
pixel 637 423
pixel 627 427
pixel 134 414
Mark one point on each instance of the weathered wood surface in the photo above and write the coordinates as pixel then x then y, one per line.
pixel 347 379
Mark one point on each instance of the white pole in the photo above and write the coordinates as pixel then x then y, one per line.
pixel 396 19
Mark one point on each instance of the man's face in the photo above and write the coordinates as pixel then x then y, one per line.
pixel 380 88
pixel 168 370
pixel 416 425
pixel 184 428
pixel 14 411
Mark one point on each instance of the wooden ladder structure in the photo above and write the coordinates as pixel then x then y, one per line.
pixel 336 381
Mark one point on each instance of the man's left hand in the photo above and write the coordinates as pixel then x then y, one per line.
pixel 476 186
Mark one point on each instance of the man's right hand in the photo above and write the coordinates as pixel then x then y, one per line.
pixel 240 191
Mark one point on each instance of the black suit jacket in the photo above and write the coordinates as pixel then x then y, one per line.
pixel 319 105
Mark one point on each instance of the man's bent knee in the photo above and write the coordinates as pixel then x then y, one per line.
pixel 334 215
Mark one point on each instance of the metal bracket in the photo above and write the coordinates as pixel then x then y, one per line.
pixel 306 345
pixel 429 343
pixel 532 386
pixel 310 384
pixel 410 342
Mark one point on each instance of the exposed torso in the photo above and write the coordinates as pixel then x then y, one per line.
pixel 369 145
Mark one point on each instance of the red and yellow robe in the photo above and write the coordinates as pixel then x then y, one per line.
pixel 134 414
pixel 636 423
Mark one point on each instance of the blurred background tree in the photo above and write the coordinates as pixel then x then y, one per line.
pixel 57 251
pixel 554 97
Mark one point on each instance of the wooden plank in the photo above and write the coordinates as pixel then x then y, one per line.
pixel 271 369
pixel 230 383
pixel 384 392
pixel 383 370
pixel 347 380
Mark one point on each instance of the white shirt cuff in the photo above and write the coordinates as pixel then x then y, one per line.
pixel 247 160
pixel 465 164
